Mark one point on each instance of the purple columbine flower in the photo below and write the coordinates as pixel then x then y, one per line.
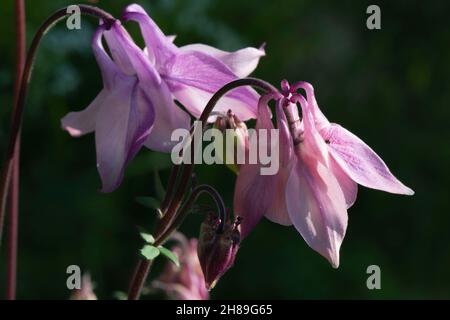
pixel 195 72
pixel 320 166
pixel 136 106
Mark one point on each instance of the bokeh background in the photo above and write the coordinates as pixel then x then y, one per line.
pixel 388 86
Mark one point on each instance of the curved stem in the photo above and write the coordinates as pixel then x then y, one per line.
pixel 165 225
pixel 11 270
pixel 20 103
pixel 184 210
pixel 186 169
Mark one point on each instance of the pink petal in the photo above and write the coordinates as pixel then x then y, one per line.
pixel 254 193
pixel 314 199
pixel 241 62
pixel 348 186
pixel 194 77
pixel 316 206
pixel 277 212
pixel 360 162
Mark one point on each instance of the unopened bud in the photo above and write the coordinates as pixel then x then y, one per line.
pixel 217 247
pixel 235 143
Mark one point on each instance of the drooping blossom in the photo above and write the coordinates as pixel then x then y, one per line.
pixel 195 72
pixel 320 166
pixel 217 247
pixel 187 281
pixel 134 107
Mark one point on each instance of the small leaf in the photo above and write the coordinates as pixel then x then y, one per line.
pixel 150 252
pixel 149 202
pixel 169 255
pixel 120 295
pixel 147 237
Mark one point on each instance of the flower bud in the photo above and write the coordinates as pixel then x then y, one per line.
pixel 217 247
pixel 235 132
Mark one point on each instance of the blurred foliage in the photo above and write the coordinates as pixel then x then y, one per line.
pixel 390 87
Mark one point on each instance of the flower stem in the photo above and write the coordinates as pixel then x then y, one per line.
pixel 14 196
pixel 14 137
pixel 168 224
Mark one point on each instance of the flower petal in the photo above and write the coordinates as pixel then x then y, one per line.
pixel 82 122
pixel 159 46
pixel 348 186
pixel 241 62
pixel 254 193
pixel 123 123
pixel 360 162
pixel 168 116
pixel 316 206
pixel 277 212
pixel 193 77
pixel 314 198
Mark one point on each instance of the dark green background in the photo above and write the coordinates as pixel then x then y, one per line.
pixel 389 86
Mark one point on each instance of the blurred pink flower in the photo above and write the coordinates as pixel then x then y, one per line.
pixel 187 281
pixel 87 290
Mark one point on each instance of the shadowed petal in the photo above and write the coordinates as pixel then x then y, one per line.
pixel 123 124
pixel 241 62
pixel 254 192
pixel 277 212
pixel 361 163
pixel 348 186
pixel 168 116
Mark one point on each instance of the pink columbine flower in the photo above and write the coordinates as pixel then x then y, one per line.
pixel 136 106
pixel 187 281
pixel 320 166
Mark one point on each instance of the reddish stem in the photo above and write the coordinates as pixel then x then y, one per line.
pixel 14 195
pixel 169 222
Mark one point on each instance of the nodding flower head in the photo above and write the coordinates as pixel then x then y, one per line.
pixel 218 244
pixel 321 165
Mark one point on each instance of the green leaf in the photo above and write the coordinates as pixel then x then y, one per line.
pixel 150 252
pixel 169 255
pixel 149 202
pixel 120 295
pixel 147 237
